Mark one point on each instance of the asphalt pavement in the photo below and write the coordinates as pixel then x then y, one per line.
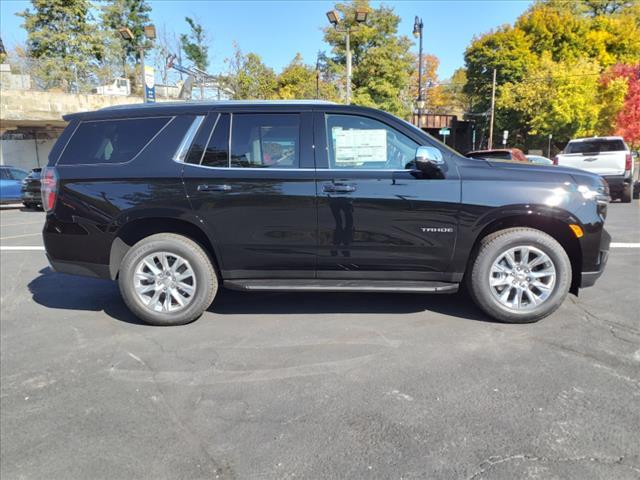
pixel 279 386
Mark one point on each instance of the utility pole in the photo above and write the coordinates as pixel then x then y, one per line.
pixel 493 105
pixel 348 99
pixel 318 76
pixel 417 32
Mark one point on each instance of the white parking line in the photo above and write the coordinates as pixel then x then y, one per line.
pixel 624 245
pixel 20 224
pixel 19 236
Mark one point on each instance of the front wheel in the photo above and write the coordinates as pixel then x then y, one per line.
pixel 519 275
pixel 167 279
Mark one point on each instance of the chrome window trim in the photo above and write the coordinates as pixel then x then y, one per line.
pixel 187 140
pixel 206 145
pixel 245 169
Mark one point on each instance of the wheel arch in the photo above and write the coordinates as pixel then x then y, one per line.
pixel 553 226
pixel 135 230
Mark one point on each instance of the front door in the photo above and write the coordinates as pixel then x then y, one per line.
pixel 378 217
pixel 250 179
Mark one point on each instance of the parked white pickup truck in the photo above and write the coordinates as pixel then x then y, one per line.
pixel 607 156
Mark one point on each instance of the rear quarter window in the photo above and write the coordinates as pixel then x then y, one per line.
pixel 110 141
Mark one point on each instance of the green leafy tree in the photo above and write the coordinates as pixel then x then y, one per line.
pixel 584 38
pixel 134 15
pixel 62 41
pixel 194 45
pixel 562 98
pixel 300 81
pixel 248 77
pixel 458 102
pixel 382 61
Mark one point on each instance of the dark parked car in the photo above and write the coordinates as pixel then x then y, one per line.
pixel 10 181
pixel 31 196
pixel 173 200
pixel 508 154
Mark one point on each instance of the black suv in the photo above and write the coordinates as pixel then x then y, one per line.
pixel 174 200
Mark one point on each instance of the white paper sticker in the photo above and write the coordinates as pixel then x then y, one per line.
pixel 355 147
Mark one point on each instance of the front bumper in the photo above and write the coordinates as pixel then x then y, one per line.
pixel 588 279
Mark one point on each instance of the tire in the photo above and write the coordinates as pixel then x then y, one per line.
pixel 492 248
pixel 201 275
pixel 627 193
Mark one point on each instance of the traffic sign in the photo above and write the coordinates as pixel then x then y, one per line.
pixel 444 131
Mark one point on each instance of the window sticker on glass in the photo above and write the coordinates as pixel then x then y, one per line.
pixel 354 147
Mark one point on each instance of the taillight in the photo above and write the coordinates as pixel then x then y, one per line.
pixel 555 160
pixel 627 162
pixel 49 188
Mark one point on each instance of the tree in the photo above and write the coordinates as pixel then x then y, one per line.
pixel 559 98
pixel 432 92
pixel 134 15
pixel 248 77
pixel 584 38
pixel 297 80
pixel 382 62
pixel 62 40
pixel 194 46
pixel 627 121
pixel 456 99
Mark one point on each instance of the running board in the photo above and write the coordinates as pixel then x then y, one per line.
pixel 327 285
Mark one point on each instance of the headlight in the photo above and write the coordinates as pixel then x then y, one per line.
pixel 600 193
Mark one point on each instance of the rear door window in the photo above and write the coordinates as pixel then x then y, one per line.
pixel 596 146
pixel 265 141
pixel 110 141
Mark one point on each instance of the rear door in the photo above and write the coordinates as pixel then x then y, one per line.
pixel 603 156
pixel 250 178
pixel 378 218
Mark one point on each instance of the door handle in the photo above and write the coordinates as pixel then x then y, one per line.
pixel 214 188
pixel 338 188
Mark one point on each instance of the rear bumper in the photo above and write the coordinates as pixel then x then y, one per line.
pixel 31 196
pixel 80 268
pixel 588 279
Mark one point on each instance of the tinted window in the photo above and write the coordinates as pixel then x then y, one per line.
pixel 110 141
pixel 4 174
pixel 265 141
pixel 361 142
pixel 596 146
pixel 201 139
pixel 217 152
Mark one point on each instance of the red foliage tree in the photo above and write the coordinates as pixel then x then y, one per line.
pixel 628 119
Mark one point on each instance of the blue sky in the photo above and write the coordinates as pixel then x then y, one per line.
pixel 277 30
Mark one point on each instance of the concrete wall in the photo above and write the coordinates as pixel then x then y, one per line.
pixel 25 154
pixel 22 108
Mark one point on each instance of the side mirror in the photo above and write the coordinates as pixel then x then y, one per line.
pixel 428 155
pixel 428 163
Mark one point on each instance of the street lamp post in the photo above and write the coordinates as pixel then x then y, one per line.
pixel 334 19
pixel 417 32
pixel 150 33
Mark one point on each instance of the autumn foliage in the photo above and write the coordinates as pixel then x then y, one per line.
pixel 627 121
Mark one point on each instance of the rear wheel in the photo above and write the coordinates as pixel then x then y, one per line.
pixel 627 193
pixel 519 275
pixel 167 279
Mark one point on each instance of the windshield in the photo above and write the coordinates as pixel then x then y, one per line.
pixel 595 146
